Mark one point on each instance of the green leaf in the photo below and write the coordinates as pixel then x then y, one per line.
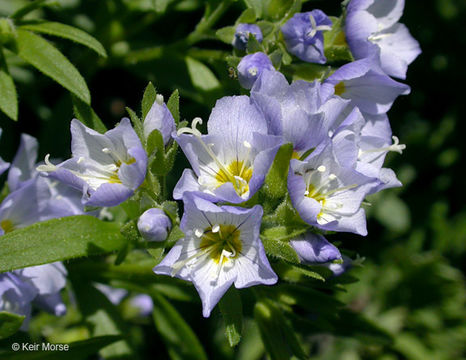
pixel 181 341
pixel 275 182
pixel 277 9
pixel 247 16
pixel 201 76
pixel 150 94
pixel 226 34
pixel 29 7
pixel 47 59
pixel 277 334
pixel 57 240
pixel 9 323
pixel 67 32
pixel 86 115
pixel 393 213
pixel 232 311
pixel 8 97
pixel 257 5
pixel 101 317
pixel 77 350
pixel 173 104
pixel 335 46
pixel 155 145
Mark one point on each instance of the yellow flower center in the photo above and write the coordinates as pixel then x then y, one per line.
pixel 339 88
pixel 238 174
pixel 225 240
pixel 7 226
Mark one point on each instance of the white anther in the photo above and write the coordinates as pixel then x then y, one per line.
pixel 321 168
pixel 246 144
pixel 159 99
pixel 106 150
pixel 253 71
pixel 216 228
pixel 332 176
pixel 306 193
pixel 198 232
pixel 80 160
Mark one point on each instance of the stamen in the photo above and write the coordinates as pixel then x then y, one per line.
pixel 321 168
pixel 377 37
pixel 396 147
pixel 253 71
pixel 48 167
pixel 80 160
pixel 198 233
pixel 216 228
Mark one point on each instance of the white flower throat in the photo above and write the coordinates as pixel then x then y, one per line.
pixel 238 171
pixel 321 188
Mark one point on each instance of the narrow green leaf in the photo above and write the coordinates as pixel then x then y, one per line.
pixel 173 104
pixel 181 341
pixel 8 97
pixel 47 59
pixel 67 32
pixel 232 311
pixel 57 240
pixel 86 115
pixel 201 76
pixel 247 16
pixel 275 181
pixel 277 334
pixel 9 323
pixel 148 99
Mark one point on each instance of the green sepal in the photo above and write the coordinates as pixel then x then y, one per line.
pixel 137 124
pixel 275 185
pixel 150 94
pixel 173 104
pixel 279 249
pixel 253 45
pixel 335 45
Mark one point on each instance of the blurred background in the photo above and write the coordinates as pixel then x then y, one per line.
pixel 412 280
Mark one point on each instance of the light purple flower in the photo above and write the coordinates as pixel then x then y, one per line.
pixel 304 37
pixel 250 68
pixel 143 303
pixel 159 118
pixel 107 168
pixel 221 247
pixel 240 41
pixel 297 112
pixel 230 163
pixel 115 295
pixel 23 167
pixel 373 25
pixel 328 195
pixel 154 225
pixel 365 85
pixel 312 248
pixel 3 164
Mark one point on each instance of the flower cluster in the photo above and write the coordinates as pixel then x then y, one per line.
pixel 331 132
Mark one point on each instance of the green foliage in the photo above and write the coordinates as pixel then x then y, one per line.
pixel 275 182
pixel 232 311
pixel 47 59
pixel 201 76
pixel 9 323
pixel 8 99
pixel 180 339
pixel 57 240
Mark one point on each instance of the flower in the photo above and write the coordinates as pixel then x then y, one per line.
pixel 221 247
pixel 303 35
pixel 154 225
pixel 328 195
pixel 3 164
pixel 365 85
pixel 312 248
pixel 373 25
pixel 107 168
pixel 242 32
pixel 159 118
pixel 251 66
pixel 297 112
pixel 230 163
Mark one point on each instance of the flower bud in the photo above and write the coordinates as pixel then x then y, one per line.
pixel 242 35
pixel 154 225
pixel 251 66
pixel 314 248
